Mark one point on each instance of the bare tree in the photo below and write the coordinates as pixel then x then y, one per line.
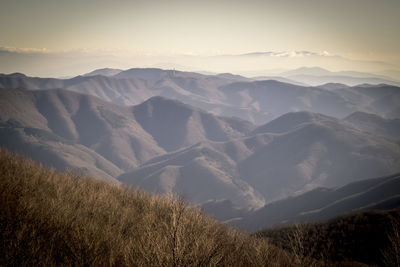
pixel 391 255
pixel 301 250
pixel 176 236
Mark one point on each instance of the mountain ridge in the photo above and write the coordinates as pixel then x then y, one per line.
pixel 168 146
pixel 226 95
pixel 325 203
pixel 317 153
pixel 105 128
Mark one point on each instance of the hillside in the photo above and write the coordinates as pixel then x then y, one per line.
pixel 51 218
pixel 118 91
pixel 389 128
pixel 166 146
pixel 200 173
pixel 293 154
pixel 292 120
pixel 60 122
pixel 175 125
pixel 381 193
pixel 371 238
pixel 314 150
pixel 382 99
pixel 64 129
pixel 272 99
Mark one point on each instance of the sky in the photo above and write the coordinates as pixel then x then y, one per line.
pixel 58 37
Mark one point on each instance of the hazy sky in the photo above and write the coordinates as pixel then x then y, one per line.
pixel 366 30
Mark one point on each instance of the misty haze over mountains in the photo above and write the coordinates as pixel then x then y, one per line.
pixel 225 95
pixel 223 141
pixel 318 76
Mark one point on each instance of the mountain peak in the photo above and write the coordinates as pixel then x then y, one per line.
pixel 104 72
pixel 142 73
pixel 333 86
pixel 315 68
pixel 291 120
pixel 163 102
pixel 15 75
pixel 175 125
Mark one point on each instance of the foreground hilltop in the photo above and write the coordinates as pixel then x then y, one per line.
pixel 369 238
pixel 50 218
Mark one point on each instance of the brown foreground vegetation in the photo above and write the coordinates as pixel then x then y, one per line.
pixel 361 239
pixel 50 218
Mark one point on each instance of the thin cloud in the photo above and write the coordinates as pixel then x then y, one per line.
pixel 23 50
pixel 301 53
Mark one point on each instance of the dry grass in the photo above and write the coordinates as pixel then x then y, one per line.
pixel 391 254
pixel 368 238
pixel 50 218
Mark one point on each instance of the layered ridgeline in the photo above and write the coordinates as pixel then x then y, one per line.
pixel 165 146
pixel 59 219
pixel 322 203
pixel 229 95
pixel 389 128
pixel 67 129
pixel 292 154
pixel 318 76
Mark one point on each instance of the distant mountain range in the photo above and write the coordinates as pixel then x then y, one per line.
pixel 225 94
pixel 108 72
pixel 123 137
pixel 389 128
pixel 120 126
pixel 295 152
pixel 317 76
pixel 59 126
